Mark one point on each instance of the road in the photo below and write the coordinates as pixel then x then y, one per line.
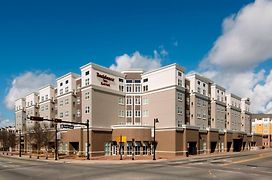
pixel 246 165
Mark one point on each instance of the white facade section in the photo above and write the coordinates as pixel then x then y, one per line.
pixel 66 84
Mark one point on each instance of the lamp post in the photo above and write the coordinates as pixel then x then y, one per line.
pixel 20 143
pixel 88 141
pixel 156 120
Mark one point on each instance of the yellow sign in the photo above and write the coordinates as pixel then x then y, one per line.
pixel 121 139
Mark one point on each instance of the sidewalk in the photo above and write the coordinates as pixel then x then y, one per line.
pixel 138 159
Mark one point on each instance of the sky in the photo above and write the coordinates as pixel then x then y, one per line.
pixel 228 41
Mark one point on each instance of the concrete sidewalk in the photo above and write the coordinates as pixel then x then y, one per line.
pixel 128 160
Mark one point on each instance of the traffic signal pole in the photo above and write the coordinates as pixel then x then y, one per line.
pixel 56 121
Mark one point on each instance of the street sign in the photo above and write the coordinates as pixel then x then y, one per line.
pixel 120 139
pixel 66 126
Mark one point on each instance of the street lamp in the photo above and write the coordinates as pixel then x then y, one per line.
pixel 20 143
pixel 156 120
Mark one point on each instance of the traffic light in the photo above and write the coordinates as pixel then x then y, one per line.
pixel 36 118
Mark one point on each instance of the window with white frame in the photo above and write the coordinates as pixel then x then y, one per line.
pixel 145 88
pixel 67 113
pixel 198 89
pixel 66 89
pixel 198 115
pixel 145 100
pixel 61 103
pixel 121 113
pixel 129 100
pixel 46 97
pixel 137 100
pixel 138 88
pixel 121 88
pixel 145 113
pixel 87 82
pixel 129 113
pixel 78 100
pixel 180 123
pixel 42 108
pixel 61 115
pixel 87 95
pixel 66 101
pixel 137 113
pixel 42 98
pixel 46 107
pixel 87 109
pixel 179 96
pixel 121 100
pixel 129 88
pixel 61 91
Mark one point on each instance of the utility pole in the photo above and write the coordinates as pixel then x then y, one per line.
pixel 156 120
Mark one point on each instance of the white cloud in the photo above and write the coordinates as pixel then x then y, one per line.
pixel 26 83
pixel 138 61
pixel 245 43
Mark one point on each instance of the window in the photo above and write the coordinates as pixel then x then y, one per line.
pixel 145 150
pixel 128 81
pixel 198 89
pixel 87 95
pixel 137 101
pixel 198 115
pixel 61 103
pixel 137 81
pixel 66 113
pixel 129 88
pixel 137 113
pixel 61 84
pixel 204 92
pixel 179 123
pixel 66 101
pixel 204 84
pixel 46 97
pixel 145 88
pixel 121 88
pixel 129 113
pixel 145 113
pixel 121 113
pixel 137 88
pixel 121 100
pixel 78 113
pixel 179 96
pixel 129 101
pixel 42 108
pixel 179 110
pixel 145 100
pixel 61 115
pixel 129 148
pixel 46 107
pixel 78 100
pixel 179 74
pixel 179 82
pixel 87 73
pixel 87 82
pixel 137 148
pixel 198 82
pixel 61 91
pixel 66 82
pixel 121 80
pixel 66 89
pixel 87 109
pixel 145 80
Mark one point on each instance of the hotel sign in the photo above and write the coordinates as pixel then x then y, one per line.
pixel 105 78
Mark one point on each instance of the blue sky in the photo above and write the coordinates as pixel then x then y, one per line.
pixel 60 36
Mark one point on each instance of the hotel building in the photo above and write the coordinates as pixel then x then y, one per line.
pixel 195 114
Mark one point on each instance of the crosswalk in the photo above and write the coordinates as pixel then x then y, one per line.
pixel 7 164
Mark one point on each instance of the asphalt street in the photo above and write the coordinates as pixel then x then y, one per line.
pixel 245 165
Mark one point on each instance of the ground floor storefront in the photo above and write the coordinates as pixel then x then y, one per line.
pixel 139 141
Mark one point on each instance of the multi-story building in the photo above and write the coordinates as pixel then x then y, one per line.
pixel 20 114
pixel 32 108
pixel 66 97
pixel 47 100
pixel 218 107
pixel 195 114
pixel 262 124
pixel 245 116
pixel 233 112
pixel 199 100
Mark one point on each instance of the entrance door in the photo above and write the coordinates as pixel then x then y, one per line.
pixel 237 145
pixel 192 148
pixel 213 146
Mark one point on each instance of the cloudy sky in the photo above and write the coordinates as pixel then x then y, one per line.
pixel 229 41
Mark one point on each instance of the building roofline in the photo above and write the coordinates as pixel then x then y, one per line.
pixel 19 99
pixel 234 95
pixel 68 74
pixel 218 86
pixel 48 85
pixel 164 67
pixel 104 69
pixel 36 93
pixel 201 77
